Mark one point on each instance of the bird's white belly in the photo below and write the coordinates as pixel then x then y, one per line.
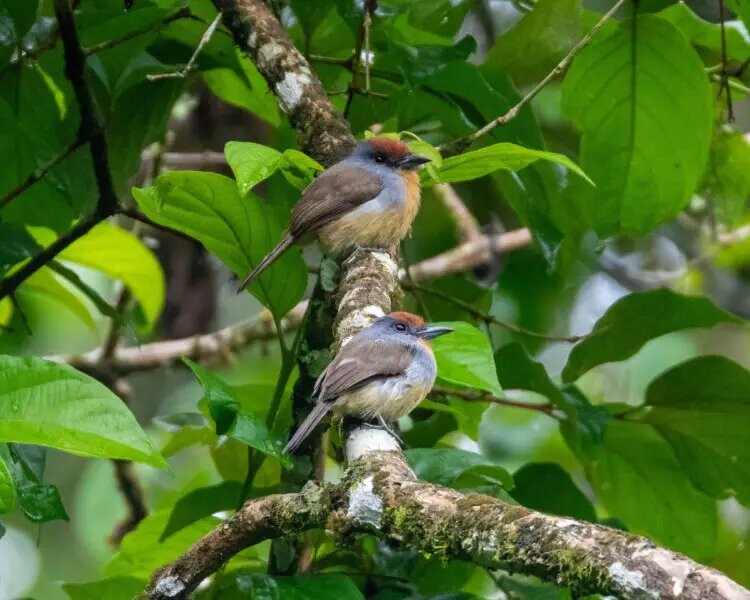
pixel 389 398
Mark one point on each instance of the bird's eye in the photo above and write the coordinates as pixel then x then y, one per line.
pixel 379 158
pixel 400 327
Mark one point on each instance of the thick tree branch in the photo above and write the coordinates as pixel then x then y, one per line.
pixel 321 131
pixel 381 495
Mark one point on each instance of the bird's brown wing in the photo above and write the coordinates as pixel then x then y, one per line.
pixel 337 191
pixel 358 363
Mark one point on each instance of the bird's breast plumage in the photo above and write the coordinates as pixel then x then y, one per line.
pixel 394 396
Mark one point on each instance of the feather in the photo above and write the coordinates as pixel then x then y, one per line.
pixel 319 411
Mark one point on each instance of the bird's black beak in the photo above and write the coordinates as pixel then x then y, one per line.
pixel 428 333
pixel 411 162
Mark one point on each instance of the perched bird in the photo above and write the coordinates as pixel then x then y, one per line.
pixel 368 199
pixel 382 373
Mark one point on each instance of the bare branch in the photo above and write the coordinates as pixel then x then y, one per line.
pixel 211 347
pixel 459 145
pixel 468 255
pixel 467 225
pixel 547 408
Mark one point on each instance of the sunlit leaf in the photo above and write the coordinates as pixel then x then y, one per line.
pixel 503 156
pixel 114 588
pixel 251 163
pixel 54 405
pixel 464 358
pixel 240 231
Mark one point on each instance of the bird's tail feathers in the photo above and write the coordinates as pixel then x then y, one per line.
pixel 267 261
pixel 316 415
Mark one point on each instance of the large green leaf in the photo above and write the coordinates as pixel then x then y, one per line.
pixel 114 588
pixel 464 358
pixel 232 420
pixel 643 102
pixel 547 487
pixel 446 466
pixel 121 255
pixel 141 553
pixel 54 405
pixel 702 408
pixel 634 320
pixel 200 503
pixel 534 45
pixel 7 489
pixel 16 244
pixel 45 284
pixel 637 478
pixel 240 231
pixel 503 156
pixel 516 370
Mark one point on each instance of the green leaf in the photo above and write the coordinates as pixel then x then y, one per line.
pixel 548 487
pixel 44 283
pixel 707 35
pixel 702 408
pixel 114 588
pixel 445 466
pixel 726 182
pixel 534 45
pixel 634 320
pixel 41 502
pixel 7 489
pixel 646 114
pixel 464 358
pixel 637 478
pixel 6 312
pixel 201 503
pixel 141 553
pixel 122 256
pixel 503 156
pixel 230 420
pixel 516 370
pixel 298 168
pixel 240 231
pixel 300 587
pixel 251 163
pixel 54 405
pixel 16 244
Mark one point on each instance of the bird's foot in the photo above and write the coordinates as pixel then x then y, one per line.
pixel 389 428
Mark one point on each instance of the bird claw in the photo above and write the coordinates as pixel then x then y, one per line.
pixel 385 425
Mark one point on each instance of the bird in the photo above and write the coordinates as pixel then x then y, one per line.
pixel 369 199
pixel 381 374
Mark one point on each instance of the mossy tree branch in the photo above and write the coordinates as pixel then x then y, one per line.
pixel 381 495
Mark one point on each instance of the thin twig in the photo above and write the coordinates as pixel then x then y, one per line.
pixel 570 339
pixel 362 42
pixel 724 63
pixel 178 14
pixel 205 38
pixel 547 408
pixel 41 171
pixel 459 145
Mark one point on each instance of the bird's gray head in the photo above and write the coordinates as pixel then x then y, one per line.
pixel 407 325
pixel 389 153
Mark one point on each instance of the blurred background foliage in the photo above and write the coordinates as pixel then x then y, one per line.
pixel 643 425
